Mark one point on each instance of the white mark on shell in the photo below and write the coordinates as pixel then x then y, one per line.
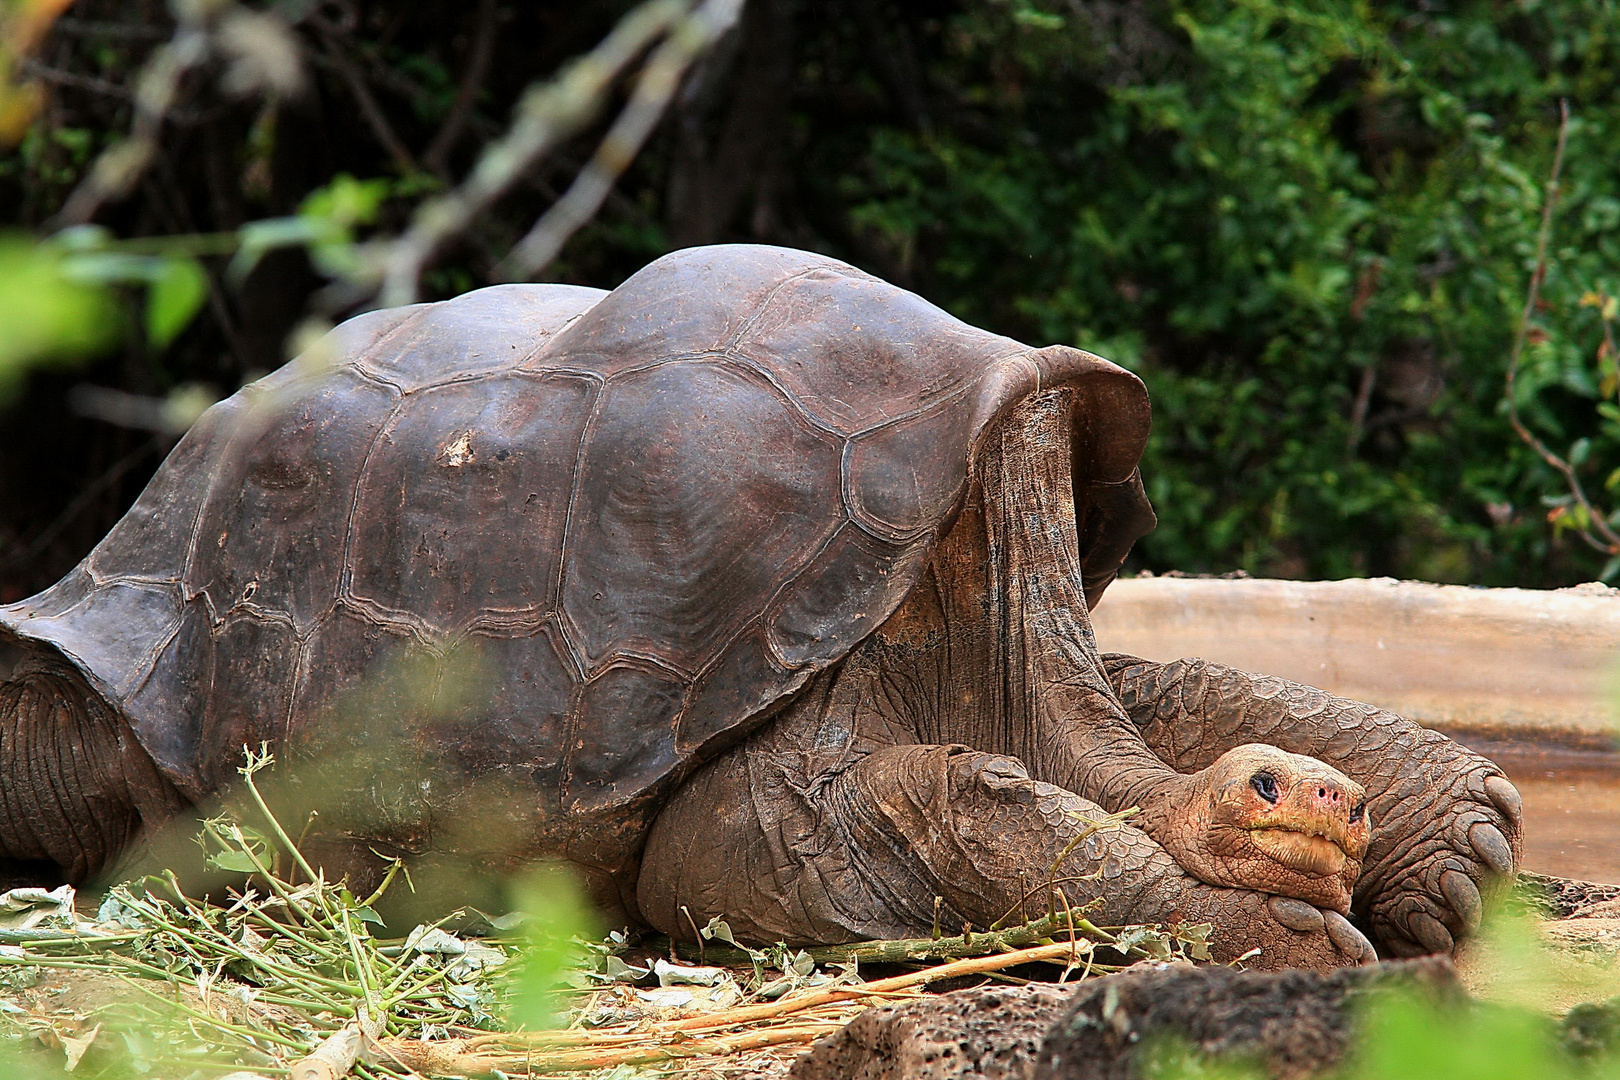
pixel 459 452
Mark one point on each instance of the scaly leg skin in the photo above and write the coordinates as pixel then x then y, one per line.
pixel 864 853
pixel 76 789
pixel 1446 822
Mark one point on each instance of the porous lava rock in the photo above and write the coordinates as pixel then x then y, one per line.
pixel 1292 1024
pixel 991 1033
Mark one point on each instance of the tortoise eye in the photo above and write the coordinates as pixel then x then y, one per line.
pixel 1266 785
pixel 1357 812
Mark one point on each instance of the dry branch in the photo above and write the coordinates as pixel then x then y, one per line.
pixel 657 85
pixel 202 32
pixel 563 1051
pixel 548 114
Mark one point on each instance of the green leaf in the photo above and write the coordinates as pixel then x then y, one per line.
pixel 345 202
pixel 235 862
pixel 365 914
pixel 173 298
pixel 717 929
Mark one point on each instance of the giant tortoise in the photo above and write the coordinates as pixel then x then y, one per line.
pixel 773 584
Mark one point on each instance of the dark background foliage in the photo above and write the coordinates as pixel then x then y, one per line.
pixel 1308 226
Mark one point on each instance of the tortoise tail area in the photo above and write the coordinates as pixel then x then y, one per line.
pixel 76 788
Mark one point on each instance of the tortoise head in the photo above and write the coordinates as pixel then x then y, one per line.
pixel 1262 818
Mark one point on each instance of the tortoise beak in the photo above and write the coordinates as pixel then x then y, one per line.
pixel 1315 825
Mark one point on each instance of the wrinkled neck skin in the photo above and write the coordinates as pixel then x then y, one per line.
pixel 75 786
pixel 995 643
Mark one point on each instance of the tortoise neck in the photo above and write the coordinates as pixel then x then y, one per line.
pixel 1082 737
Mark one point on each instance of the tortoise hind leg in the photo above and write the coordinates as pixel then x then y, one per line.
pixel 864 853
pixel 1446 822
pixel 75 786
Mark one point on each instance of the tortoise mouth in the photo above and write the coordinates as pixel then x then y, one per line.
pixel 1305 849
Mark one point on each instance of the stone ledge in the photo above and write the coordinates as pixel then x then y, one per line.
pixel 1524 663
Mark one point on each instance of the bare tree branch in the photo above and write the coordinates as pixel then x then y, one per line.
pixel 118 168
pixel 548 114
pixel 472 82
pixel 657 85
pixel 1596 530
pixel 263 54
pixel 374 116
pixel 73 79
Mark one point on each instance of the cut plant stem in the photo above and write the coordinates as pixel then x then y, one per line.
pixel 983 943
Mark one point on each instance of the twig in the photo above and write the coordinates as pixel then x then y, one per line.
pixel 1358 412
pixel 566 1050
pixel 156 88
pixel 657 85
pixel 369 109
pixel 439 1059
pixel 472 82
pixel 547 114
pixel 900 950
pixel 1606 539
pixel 83 501
pixel 73 79
pixel 697 934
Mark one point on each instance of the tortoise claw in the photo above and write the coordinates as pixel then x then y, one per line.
pixel 1463 896
pixel 1430 933
pixel 1505 796
pixel 1348 939
pixel 1493 849
pixel 1295 914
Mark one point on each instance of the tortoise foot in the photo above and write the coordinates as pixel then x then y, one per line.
pixel 1459 852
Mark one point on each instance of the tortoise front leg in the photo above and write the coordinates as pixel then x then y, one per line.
pixel 1446 821
pixel 76 788
pixel 865 853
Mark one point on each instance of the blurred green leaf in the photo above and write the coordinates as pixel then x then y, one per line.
pixel 345 202
pixel 260 237
pixel 558 915
pixel 173 298
pixel 46 316
pixel 235 862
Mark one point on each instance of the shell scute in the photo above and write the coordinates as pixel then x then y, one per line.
pixel 691 301
pixel 249 698
pixel 121 661
pixel 903 478
pixel 744 680
pixel 149 542
pixel 270 537
pixel 700 492
pixel 843 591
pixel 175 687
pixel 363 706
pixel 857 351
pixel 503 706
pixel 475 333
pixel 458 463
pixel 629 745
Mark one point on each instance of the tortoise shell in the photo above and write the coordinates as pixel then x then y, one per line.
pixel 653 514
